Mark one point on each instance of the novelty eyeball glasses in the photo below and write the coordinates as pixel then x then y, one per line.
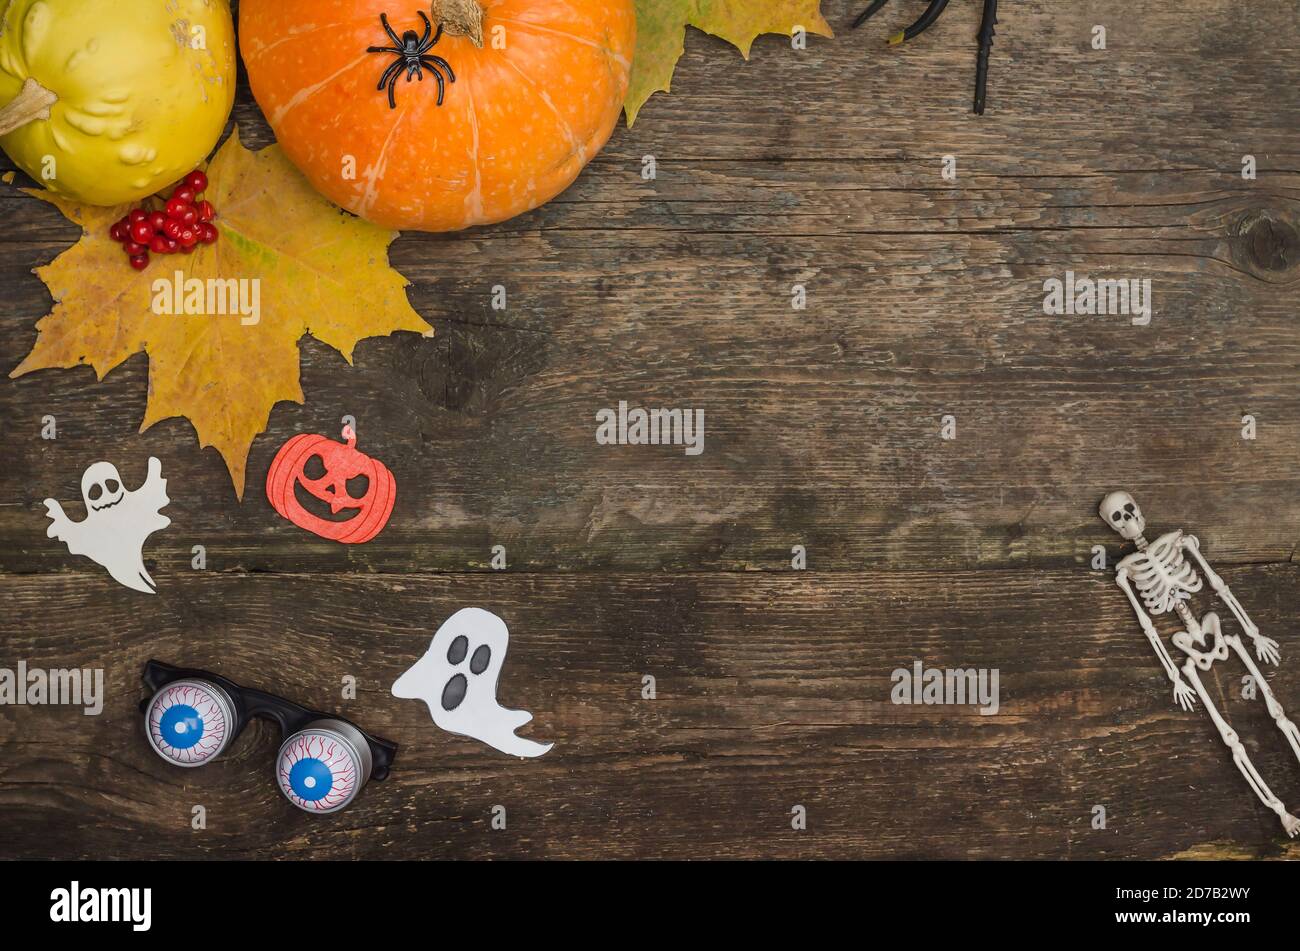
pixel 324 760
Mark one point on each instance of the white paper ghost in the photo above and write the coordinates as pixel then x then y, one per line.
pixel 457 678
pixel 117 522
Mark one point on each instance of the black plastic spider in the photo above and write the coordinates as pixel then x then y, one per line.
pixel 926 20
pixel 413 56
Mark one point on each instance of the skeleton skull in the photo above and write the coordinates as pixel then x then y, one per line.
pixel 1122 514
pixel 101 487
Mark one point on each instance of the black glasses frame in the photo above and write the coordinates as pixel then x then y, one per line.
pixel 248 703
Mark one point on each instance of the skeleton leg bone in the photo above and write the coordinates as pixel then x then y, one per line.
pixel 1288 728
pixel 1239 754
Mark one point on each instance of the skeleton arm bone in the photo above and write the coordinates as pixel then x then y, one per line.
pixel 1265 647
pixel 1193 545
pixel 1183 694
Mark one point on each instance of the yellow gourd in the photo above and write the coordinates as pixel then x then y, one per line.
pixel 107 101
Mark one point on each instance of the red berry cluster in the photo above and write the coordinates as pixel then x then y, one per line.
pixel 184 223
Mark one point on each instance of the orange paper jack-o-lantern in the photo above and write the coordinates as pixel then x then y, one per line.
pixel 315 472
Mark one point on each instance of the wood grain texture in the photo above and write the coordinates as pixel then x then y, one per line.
pixel 772 690
pixel 818 167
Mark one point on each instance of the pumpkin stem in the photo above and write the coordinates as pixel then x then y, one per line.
pixel 459 18
pixel 32 102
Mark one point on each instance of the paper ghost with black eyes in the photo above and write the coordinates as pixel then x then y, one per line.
pixel 117 522
pixel 457 678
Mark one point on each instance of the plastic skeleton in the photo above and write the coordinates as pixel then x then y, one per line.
pixel 1159 578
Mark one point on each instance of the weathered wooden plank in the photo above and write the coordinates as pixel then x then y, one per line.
pixel 818 167
pixel 772 690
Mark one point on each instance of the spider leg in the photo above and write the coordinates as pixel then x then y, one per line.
pixel 390 76
pixel 923 23
pixel 383 18
pixel 384 49
pixel 428 28
pixel 869 12
pixel 444 64
pixel 392 84
pixel 987 22
pixel 432 67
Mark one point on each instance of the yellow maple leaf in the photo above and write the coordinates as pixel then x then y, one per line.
pixel 661 30
pixel 318 271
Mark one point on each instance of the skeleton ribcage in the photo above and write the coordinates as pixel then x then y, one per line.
pixel 1163 575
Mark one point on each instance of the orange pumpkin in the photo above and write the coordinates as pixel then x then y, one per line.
pixel 530 90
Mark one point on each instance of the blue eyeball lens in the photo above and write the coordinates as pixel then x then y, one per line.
pixel 320 769
pixel 189 722
pixel 311 779
pixel 181 725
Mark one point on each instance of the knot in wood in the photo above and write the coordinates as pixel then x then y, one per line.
pixel 1266 242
